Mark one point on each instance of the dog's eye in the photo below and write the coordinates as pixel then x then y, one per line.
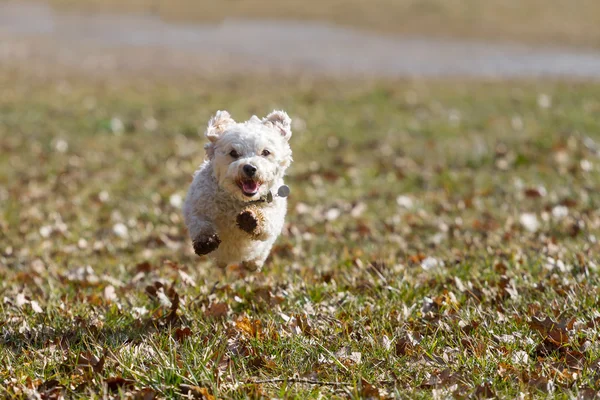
pixel 234 154
pixel 266 153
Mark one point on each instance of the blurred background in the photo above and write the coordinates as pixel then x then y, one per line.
pixel 383 38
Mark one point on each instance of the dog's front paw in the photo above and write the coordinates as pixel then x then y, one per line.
pixel 247 222
pixel 251 221
pixel 205 244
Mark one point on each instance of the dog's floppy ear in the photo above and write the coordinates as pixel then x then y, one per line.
pixel 280 120
pixel 217 125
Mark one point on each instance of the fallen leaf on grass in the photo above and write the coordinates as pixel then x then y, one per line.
pixel 574 359
pixel 251 391
pixel 185 278
pixel 404 347
pixel 476 347
pixel 443 378
pixel 520 357
pixel 469 328
pixel 164 300
pixel 51 390
pixel 534 193
pixel 152 290
pixel 196 392
pixel 115 383
pixel 538 382
pixel 506 370
pixel 182 333
pixel 250 328
pixel 555 332
pixel 36 307
pixel 144 267
pixel 259 362
pixel 21 300
pixel 529 221
pixel 217 310
pixel 88 361
pixel 368 391
pixel 417 258
pixel 168 298
pixel 546 348
pixel 265 296
pixel 144 394
pixel 484 391
pixel 110 293
pixel 172 316
pixel 587 394
pixel 301 324
pixel 348 357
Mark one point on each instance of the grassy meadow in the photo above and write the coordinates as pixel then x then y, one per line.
pixel 441 241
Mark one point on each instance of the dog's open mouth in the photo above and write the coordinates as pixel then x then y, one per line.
pixel 249 187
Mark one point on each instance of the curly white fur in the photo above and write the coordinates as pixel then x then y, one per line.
pixel 216 196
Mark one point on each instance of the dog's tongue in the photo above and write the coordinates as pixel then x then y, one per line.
pixel 250 186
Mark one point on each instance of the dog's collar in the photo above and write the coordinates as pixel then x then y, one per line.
pixel 283 191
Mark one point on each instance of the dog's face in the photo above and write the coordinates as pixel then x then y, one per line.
pixel 250 157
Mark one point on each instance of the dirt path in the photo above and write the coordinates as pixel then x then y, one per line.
pixel 35 35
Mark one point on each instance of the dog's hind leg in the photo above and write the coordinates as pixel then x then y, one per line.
pixel 252 266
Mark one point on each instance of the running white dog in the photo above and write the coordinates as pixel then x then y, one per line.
pixel 235 207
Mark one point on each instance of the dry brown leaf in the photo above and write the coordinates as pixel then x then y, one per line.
pixel 252 391
pixel 262 294
pixel 417 258
pixel 115 383
pixel 181 333
pixel 506 370
pixel 587 394
pixel 533 193
pixel 484 391
pixel 476 347
pixel 217 310
pixel 368 391
pixel 90 362
pixel 144 267
pixel 196 392
pixel 556 332
pixel 403 347
pixel 302 322
pixel 172 316
pixel 441 378
pixel 144 394
pixel 539 382
pixel 574 359
pixel 152 290
pixel 250 328
pixel 51 390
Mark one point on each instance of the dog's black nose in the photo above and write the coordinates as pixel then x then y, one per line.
pixel 249 170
